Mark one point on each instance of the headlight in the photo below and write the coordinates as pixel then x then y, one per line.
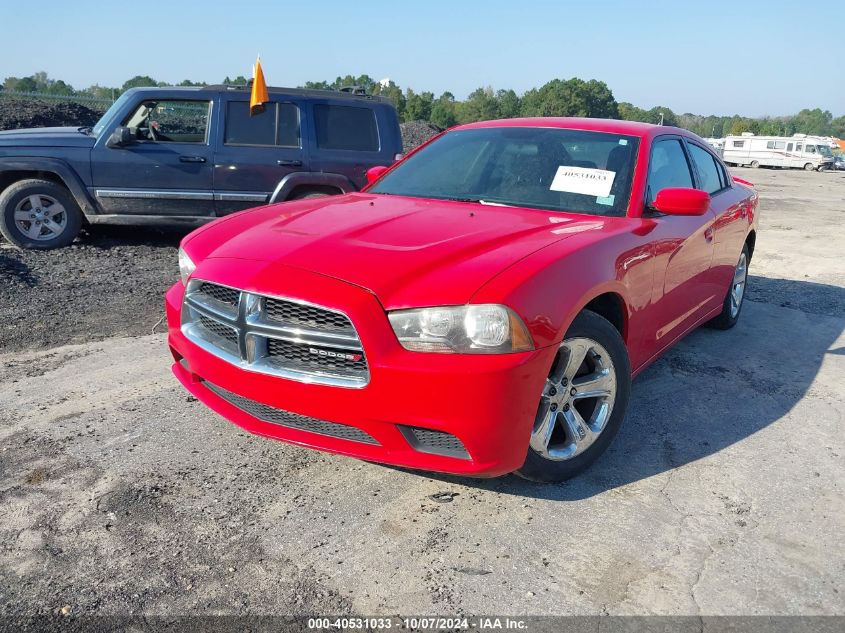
pixel 186 266
pixel 471 329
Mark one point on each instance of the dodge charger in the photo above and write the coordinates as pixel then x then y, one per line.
pixel 481 307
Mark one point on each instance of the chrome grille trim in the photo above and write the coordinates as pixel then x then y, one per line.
pixel 253 328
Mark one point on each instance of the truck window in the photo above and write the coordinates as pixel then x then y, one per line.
pixel 172 121
pixel 277 126
pixel 345 127
pixel 789 147
pixel 708 172
pixel 739 143
pixel 811 149
pixel 799 147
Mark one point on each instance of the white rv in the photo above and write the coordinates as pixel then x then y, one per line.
pixel 800 151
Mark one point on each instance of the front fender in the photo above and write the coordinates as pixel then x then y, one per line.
pixel 59 168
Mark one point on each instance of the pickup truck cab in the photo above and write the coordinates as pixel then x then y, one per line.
pixel 189 155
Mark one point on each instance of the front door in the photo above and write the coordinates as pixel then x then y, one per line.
pixel 254 153
pixel 167 170
pixel 683 290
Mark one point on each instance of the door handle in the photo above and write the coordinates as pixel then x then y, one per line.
pixel 191 159
pixel 708 233
pixel 289 163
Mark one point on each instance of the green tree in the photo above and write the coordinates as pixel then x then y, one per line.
pixel 443 111
pixel 481 105
pixel 139 81
pixel 837 127
pixel 508 104
pixel 572 97
pixel 418 106
pixel 392 92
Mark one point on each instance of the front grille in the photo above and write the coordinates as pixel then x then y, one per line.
pixel 310 358
pixel 222 294
pixel 307 315
pixel 274 336
pixel 273 415
pixel 432 441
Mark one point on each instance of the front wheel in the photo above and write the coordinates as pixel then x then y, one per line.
pixel 39 214
pixel 583 401
pixel 809 167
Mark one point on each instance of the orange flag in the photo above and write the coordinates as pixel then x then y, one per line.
pixel 259 90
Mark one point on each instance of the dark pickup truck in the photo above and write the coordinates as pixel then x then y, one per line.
pixel 188 155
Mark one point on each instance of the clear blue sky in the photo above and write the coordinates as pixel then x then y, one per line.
pixel 717 57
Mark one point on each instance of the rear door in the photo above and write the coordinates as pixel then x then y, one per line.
pixel 167 170
pixel 730 206
pixel 345 139
pixel 255 152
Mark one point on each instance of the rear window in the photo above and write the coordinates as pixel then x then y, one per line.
pixel 277 126
pixel 346 128
pixel 707 169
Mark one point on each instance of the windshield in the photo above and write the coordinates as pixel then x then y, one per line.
pixel 824 150
pixel 109 114
pixel 541 168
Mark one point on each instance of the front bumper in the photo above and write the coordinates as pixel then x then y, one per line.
pixel 487 401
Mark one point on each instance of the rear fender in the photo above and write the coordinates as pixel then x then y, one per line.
pixel 313 179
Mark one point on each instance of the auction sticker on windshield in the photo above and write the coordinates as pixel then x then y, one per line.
pixel 583 180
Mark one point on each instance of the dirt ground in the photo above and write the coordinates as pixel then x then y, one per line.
pixel 722 494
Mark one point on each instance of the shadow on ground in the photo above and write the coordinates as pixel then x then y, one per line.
pixel 712 390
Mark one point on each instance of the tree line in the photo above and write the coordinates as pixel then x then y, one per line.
pixel 559 97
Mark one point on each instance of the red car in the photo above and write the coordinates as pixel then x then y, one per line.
pixel 481 307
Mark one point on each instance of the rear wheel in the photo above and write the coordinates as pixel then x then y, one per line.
pixel 755 164
pixel 735 298
pixel 583 401
pixel 39 214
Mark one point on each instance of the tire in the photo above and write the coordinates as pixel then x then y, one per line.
pixel 306 195
pixel 39 206
pixel 755 164
pixel 732 306
pixel 809 167
pixel 554 453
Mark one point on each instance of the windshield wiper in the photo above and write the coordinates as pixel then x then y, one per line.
pixel 492 203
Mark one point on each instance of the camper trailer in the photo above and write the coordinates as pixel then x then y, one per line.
pixel 799 151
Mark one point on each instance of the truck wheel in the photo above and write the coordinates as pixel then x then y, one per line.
pixel 755 164
pixel 583 402
pixel 809 167
pixel 305 195
pixel 39 214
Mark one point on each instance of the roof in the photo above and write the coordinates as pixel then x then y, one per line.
pixel 245 89
pixel 631 128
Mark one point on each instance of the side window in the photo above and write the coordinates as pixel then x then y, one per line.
pixel 277 126
pixel 780 144
pixel 799 147
pixel 173 121
pixel 346 127
pixel 811 149
pixel 707 169
pixel 668 168
pixel 789 147
pixel 739 143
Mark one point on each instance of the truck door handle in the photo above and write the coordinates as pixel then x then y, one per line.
pixel 191 159
pixel 289 163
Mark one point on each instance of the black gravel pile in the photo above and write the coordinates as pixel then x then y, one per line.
pixel 110 282
pixel 25 113
pixel 415 133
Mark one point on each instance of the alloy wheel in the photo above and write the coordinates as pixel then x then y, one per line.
pixel 40 217
pixel 577 400
pixel 738 285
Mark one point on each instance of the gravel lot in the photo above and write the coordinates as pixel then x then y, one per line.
pixel 723 493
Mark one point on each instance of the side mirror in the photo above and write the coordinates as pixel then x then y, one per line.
pixel 120 137
pixel 374 173
pixel 681 201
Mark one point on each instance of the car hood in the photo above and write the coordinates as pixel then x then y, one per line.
pixel 407 251
pixel 46 137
